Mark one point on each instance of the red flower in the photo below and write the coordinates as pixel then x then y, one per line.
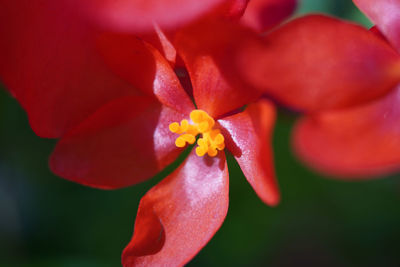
pixel 346 81
pixel 113 100
pixel 131 138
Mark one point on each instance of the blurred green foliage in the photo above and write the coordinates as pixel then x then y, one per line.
pixel 47 221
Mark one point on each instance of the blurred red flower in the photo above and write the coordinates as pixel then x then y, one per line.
pixel 345 80
pixel 111 98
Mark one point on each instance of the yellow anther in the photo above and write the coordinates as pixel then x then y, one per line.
pixel 180 142
pixel 212 152
pixel 198 115
pixel 200 151
pixel 185 138
pixel 174 127
pixel 219 139
pixel 189 138
pixel 184 125
pixel 211 140
pixel 203 127
pixel 220 146
pixel 202 142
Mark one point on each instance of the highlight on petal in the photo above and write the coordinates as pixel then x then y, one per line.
pixel 248 136
pixel 50 63
pixel 318 62
pixel 125 142
pixel 177 217
pixel 385 14
pixel 263 15
pixel 140 15
pixel 206 51
pixel 357 143
pixel 144 67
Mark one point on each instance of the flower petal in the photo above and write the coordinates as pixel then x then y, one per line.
pixel 216 88
pixel 317 62
pixel 145 68
pixel 358 142
pixel 50 63
pixel 234 9
pixel 263 15
pixel 248 136
pixel 140 15
pixel 177 217
pixel 125 142
pixel 161 40
pixel 384 13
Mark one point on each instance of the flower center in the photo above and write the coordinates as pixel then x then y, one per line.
pixel 211 139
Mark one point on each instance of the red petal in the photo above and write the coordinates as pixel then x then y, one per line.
pixel 144 67
pixel 263 15
pixel 248 136
pixel 177 217
pixel 50 63
pixel 317 62
pixel 125 142
pixel 140 15
pixel 233 9
pixel 160 39
pixel 363 141
pixel 216 88
pixel 384 13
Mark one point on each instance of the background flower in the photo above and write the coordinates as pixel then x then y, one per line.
pixel 332 73
pixel 343 79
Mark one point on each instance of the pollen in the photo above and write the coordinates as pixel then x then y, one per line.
pixel 210 141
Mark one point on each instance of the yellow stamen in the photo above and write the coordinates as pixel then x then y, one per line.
pixel 174 127
pixel 211 140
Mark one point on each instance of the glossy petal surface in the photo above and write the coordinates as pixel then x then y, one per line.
pixel 317 62
pixel 50 63
pixel 144 67
pixel 140 15
pixel 177 217
pixel 206 49
pixel 125 142
pixel 248 136
pixel 384 13
pixel 363 141
pixel 263 15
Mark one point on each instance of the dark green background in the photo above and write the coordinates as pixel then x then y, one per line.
pixel 47 221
